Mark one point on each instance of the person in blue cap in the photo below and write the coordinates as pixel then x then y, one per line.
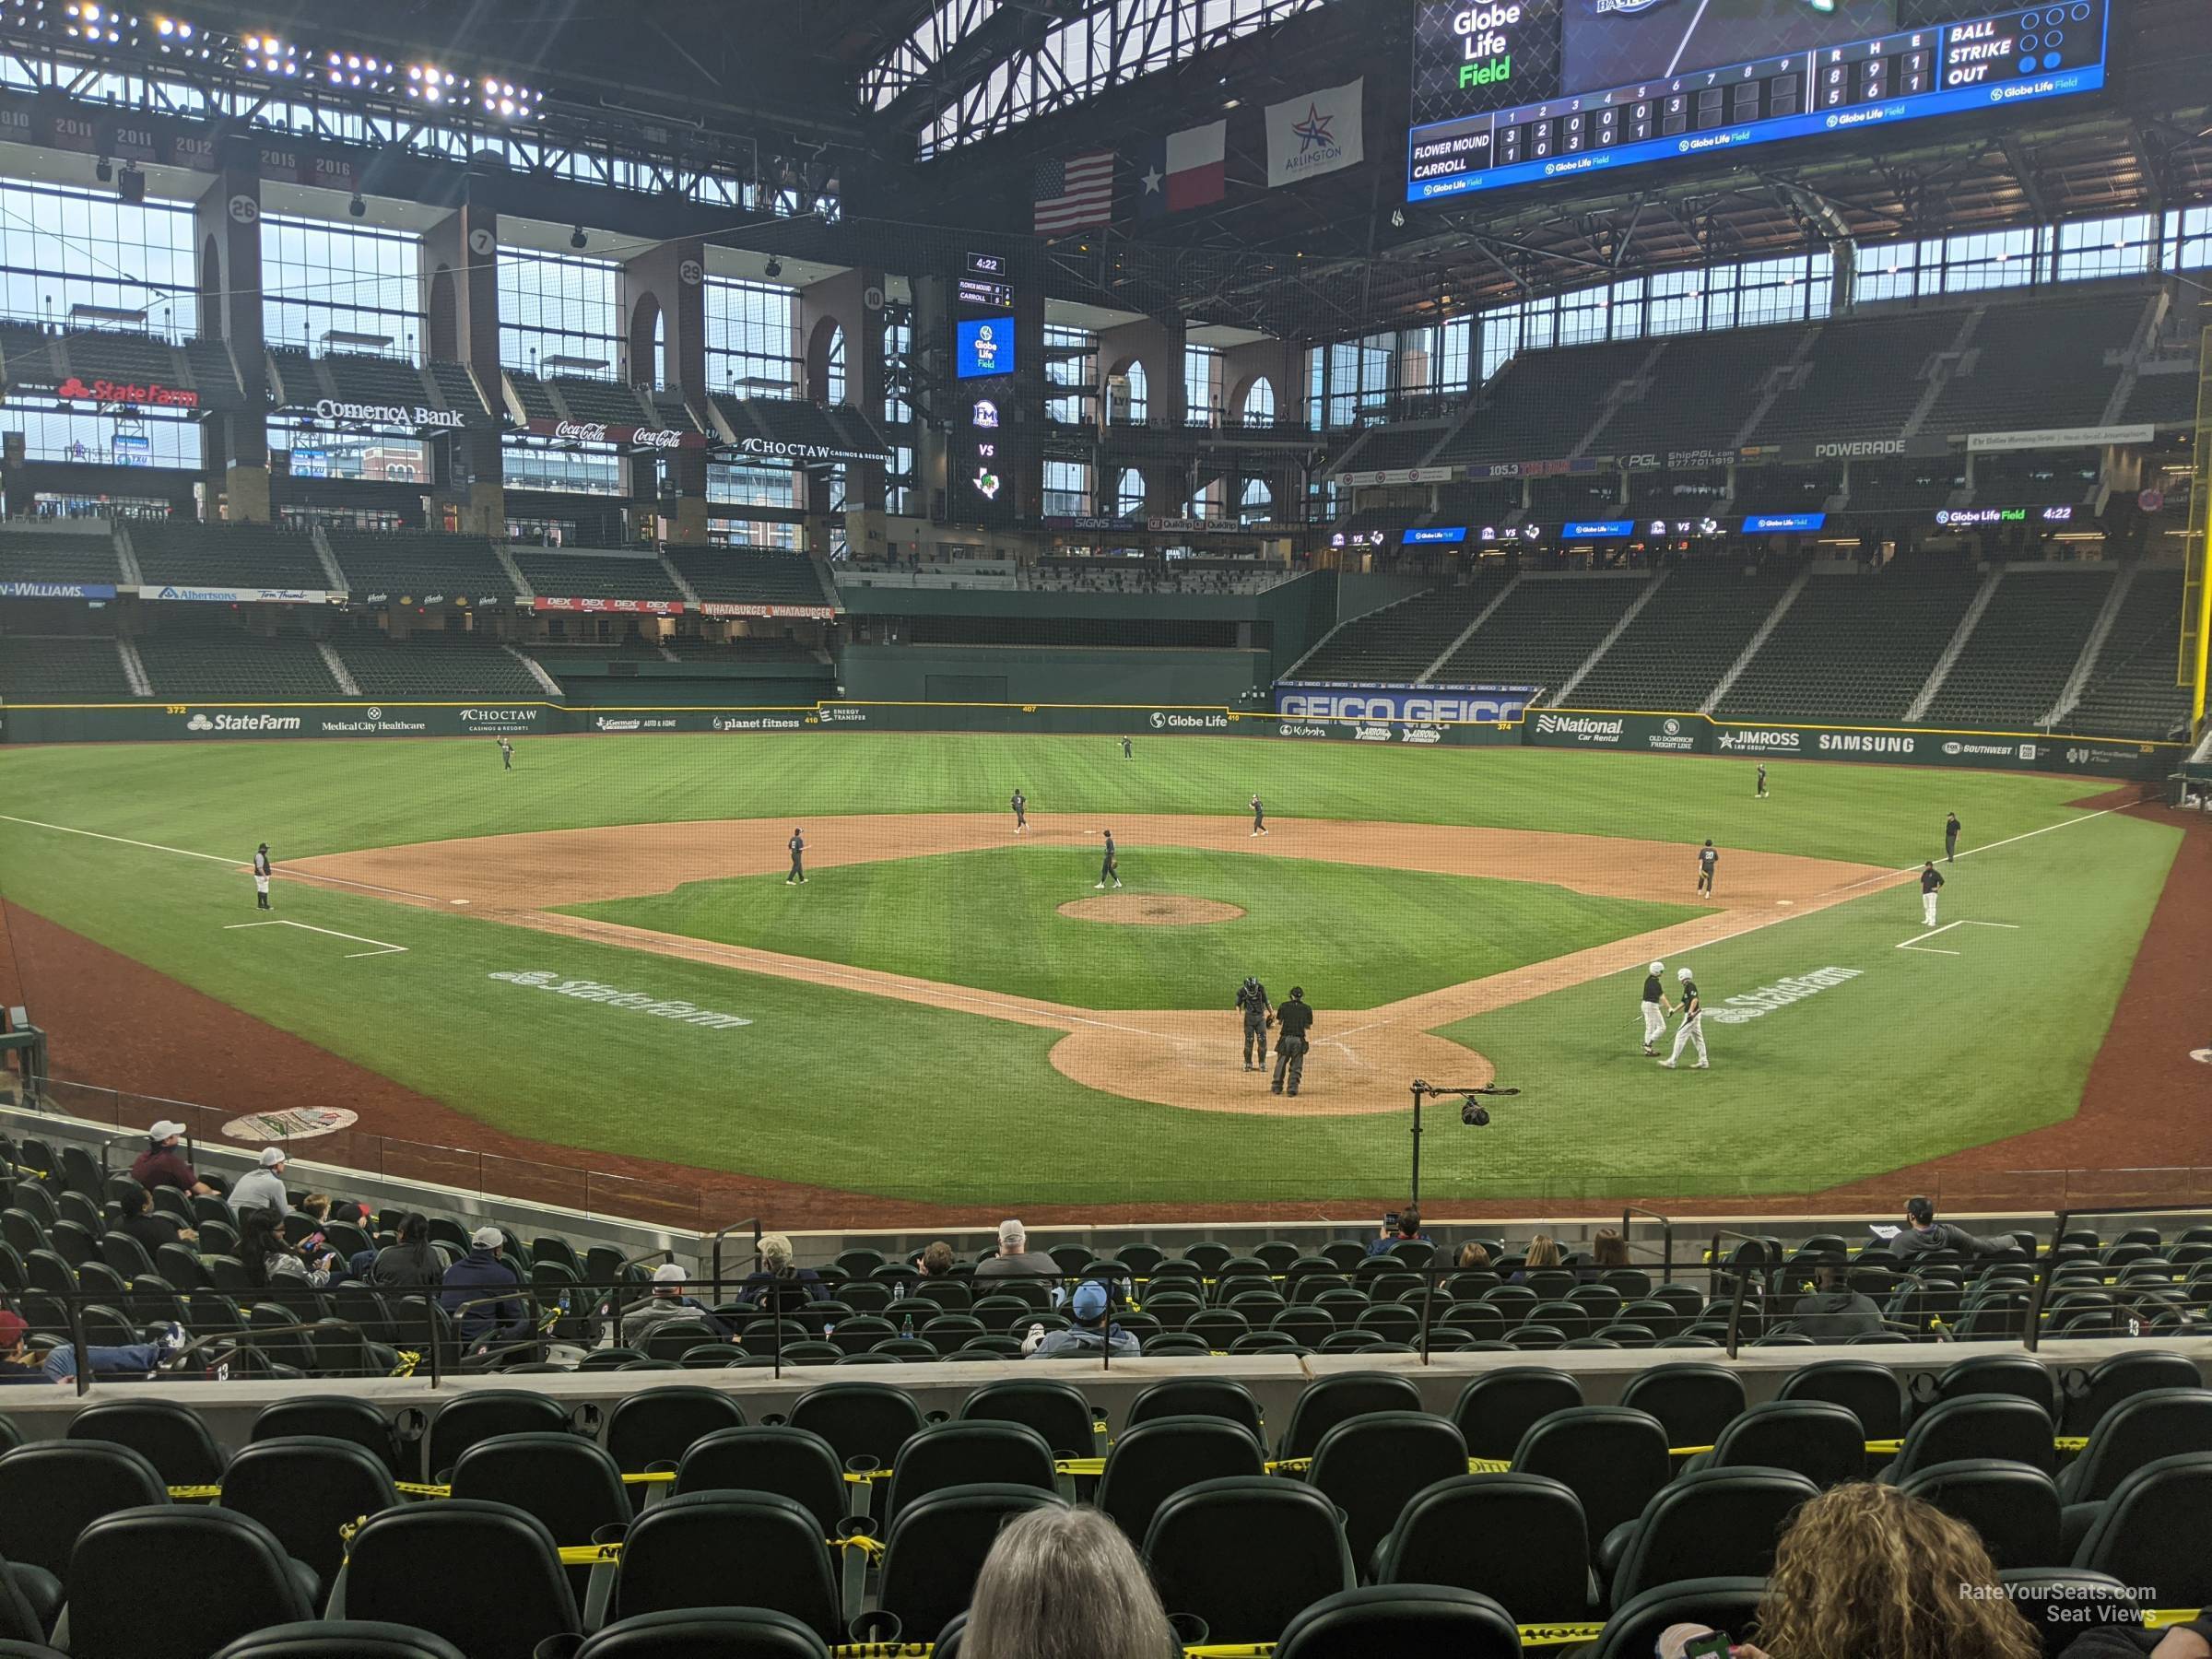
pixel 1090 1331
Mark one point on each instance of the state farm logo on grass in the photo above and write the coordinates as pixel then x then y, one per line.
pixel 584 990
pixel 1796 987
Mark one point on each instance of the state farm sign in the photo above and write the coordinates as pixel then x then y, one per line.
pixel 147 394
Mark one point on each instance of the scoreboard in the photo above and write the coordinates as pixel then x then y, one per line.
pixel 1507 92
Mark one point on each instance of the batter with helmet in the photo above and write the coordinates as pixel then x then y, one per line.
pixel 1692 1029
pixel 1656 1008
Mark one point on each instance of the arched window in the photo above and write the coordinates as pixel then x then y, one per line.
pixel 1138 395
pixel 1258 500
pixel 1129 494
pixel 1259 404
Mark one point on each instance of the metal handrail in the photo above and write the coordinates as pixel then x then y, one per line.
pixel 714 1244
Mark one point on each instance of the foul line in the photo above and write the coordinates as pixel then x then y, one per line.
pixel 381 948
pixel 1917 941
pixel 1990 847
pixel 125 840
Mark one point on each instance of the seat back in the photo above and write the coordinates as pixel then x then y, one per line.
pixel 2151 1532
pixel 2140 1429
pixel 331 1416
pixel 571 1485
pixel 1498 1407
pixel 1815 1438
pixel 1246 1554
pixel 218 1573
pixel 1613 1458
pixel 1055 1410
pixel 680 1554
pixel 1330 1400
pixel 1725 1604
pixel 1401 1618
pixel 479 1416
pixel 304 1490
pixel 512 1595
pixel 1728 1518
pixel 859 1419
pixel 938 1545
pixel 340 1639
pixel 714 1634
pixel 1535 1551
pixel 967 1453
pixel 659 1425
pixel 1999 1374
pixel 2113 1379
pixel 1694 1400
pixel 775 1458
pixel 1199 1396
pixel 2060 1602
pixel 51 1490
pixel 1978 1424
pixel 1368 1467
pixel 169 1436
pixel 2014 1507
pixel 1161 1455
pixel 1869 1391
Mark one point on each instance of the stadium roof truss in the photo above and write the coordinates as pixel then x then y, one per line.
pixel 974 68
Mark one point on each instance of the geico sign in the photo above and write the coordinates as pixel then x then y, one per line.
pixel 398 415
pixel 1323 705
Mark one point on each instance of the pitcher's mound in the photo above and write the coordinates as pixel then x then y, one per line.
pixel 1150 910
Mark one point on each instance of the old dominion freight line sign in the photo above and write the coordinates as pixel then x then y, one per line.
pixel 1427 715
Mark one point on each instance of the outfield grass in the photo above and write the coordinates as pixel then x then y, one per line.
pixel 1358 937
pixel 1919 1056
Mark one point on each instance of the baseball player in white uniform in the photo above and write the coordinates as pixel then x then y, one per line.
pixel 1656 1009
pixel 1692 1029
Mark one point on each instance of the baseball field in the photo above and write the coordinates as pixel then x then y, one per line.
pixel 596 960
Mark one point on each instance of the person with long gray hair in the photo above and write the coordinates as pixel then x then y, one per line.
pixel 1063 1584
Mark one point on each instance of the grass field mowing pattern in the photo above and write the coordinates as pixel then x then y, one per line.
pixel 1356 938
pixel 1919 1056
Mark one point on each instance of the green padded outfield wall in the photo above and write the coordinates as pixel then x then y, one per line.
pixel 1014 674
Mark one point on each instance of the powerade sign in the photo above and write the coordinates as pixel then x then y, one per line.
pixel 1435 534
pixel 1424 705
pixel 1597 530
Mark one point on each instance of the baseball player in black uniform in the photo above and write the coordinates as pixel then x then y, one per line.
pixel 1692 1029
pixel 1931 881
pixel 1126 750
pixel 1259 816
pixel 1656 1009
pixel 1021 803
pixel 1251 1001
pixel 798 858
pixel 1294 1024
pixel 1108 870
pixel 1950 838
pixel 261 877
pixel 1762 779
pixel 1707 859
pixel 506 754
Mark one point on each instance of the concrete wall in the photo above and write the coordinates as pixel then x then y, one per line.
pixel 1046 674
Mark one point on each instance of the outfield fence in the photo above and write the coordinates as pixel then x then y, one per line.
pixel 1612 730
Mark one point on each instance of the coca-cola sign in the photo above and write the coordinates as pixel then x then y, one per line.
pixel 140 394
pixel 582 432
pixel 620 437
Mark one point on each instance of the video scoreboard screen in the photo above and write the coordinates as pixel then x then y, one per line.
pixel 1507 92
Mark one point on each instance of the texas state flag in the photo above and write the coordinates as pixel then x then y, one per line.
pixel 1183 170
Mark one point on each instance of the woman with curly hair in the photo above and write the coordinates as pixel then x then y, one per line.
pixel 1866 1571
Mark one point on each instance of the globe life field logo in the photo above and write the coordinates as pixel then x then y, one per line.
pixel 1486 47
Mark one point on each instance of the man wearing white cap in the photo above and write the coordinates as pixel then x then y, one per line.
pixel 472 1297
pixel 263 1188
pixel 666 1302
pixel 1656 1009
pixel 1692 1029
pixel 162 1165
pixel 1017 1260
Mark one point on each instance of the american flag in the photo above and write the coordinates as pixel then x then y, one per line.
pixel 1075 191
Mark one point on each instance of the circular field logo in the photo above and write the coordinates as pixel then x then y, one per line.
pixel 302 1122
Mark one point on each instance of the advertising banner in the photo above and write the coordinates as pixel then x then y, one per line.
pixel 1446 704
pixel 1399 475
pixel 621 435
pixel 812 613
pixel 641 607
pixel 57 590
pixel 1990 444
pixel 241 595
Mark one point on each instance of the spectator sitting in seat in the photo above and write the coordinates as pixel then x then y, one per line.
pixel 666 1302
pixel 1864 1570
pixel 936 1260
pixel 1924 1235
pixel 1408 1226
pixel 162 1165
pixel 1064 1584
pixel 270 1261
pixel 1017 1260
pixel 1472 1254
pixel 778 1278
pixel 1608 1251
pixel 1542 1252
pixel 315 1207
pixel 150 1226
pixel 262 1188
pixel 1091 1330
pixel 1833 1311
pixel 411 1263
pixel 472 1295
pixel 19 1364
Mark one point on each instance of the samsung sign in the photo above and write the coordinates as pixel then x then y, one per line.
pixel 1426 704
